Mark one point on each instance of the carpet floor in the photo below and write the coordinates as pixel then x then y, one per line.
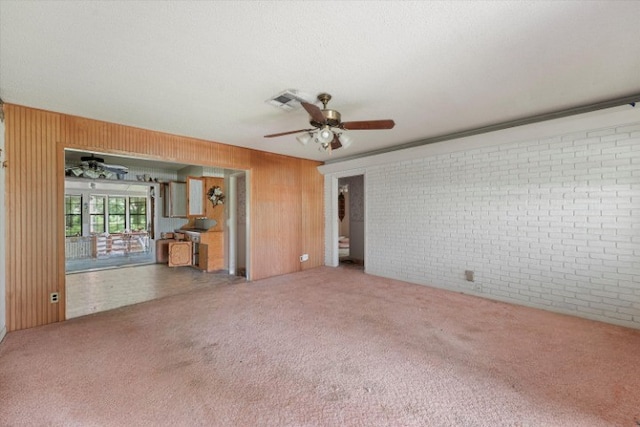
pixel 324 347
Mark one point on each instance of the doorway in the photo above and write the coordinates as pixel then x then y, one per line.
pixel 351 220
pixel 238 223
pixel 118 216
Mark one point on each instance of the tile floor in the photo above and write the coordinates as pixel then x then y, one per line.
pixel 95 291
pixel 88 264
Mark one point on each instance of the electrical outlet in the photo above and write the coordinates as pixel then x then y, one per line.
pixel 469 275
pixel 54 297
pixel 304 257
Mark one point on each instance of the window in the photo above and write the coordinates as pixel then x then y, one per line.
pixel 117 214
pixel 106 214
pixel 73 215
pixel 96 214
pixel 137 213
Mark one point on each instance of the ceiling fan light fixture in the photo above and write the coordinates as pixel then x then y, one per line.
pixel 304 138
pixel 324 135
pixel 345 140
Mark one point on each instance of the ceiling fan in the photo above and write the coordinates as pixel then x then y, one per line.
pixel 324 121
pixel 95 167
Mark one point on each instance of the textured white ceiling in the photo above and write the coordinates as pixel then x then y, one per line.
pixel 205 69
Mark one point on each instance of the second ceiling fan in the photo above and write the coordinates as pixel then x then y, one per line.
pixel 325 120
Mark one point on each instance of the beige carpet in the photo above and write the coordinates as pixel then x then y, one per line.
pixel 326 347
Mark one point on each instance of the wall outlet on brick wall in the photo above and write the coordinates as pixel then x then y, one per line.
pixel 468 274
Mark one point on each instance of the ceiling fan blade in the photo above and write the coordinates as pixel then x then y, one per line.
pixel 315 112
pixel 368 125
pixel 287 133
pixel 335 144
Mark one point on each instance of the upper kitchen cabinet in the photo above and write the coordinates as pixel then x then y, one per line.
pixel 195 196
pixel 175 200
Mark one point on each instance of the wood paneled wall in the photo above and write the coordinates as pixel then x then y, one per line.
pixel 312 184
pixel 214 212
pixel 277 213
pixel 286 201
pixel 33 218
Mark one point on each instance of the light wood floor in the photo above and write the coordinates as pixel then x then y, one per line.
pixel 96 291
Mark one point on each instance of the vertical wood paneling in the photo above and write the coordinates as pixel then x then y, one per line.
pixel 312 216
pixel 215 212
pixel 11 196
pixel 286 201
pixel 274 190
pixel 117 139
pixel 31 221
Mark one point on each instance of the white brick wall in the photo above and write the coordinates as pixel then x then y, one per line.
pixel 551 223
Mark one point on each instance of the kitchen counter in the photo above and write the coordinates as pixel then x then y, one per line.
pixel 208 248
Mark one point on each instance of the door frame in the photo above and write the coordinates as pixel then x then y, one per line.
pixel 332 229
pixel 232 221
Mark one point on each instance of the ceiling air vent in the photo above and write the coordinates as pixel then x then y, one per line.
pixel 289 99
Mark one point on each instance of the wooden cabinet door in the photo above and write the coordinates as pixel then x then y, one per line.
pixel 212 251
pixel 175 200
pixel 195 196
pixel 162 250
pixel 180 254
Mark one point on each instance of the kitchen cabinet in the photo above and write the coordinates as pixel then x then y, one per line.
pixel 195 196
pixel 162 250
pixel 175 200
pixel 202 250
pixel 211 256
pixel 180 254
pixel 184 199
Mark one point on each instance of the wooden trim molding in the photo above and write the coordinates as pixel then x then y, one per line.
pixel 286 199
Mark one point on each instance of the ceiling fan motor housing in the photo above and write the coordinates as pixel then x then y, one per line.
pixel 332 118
